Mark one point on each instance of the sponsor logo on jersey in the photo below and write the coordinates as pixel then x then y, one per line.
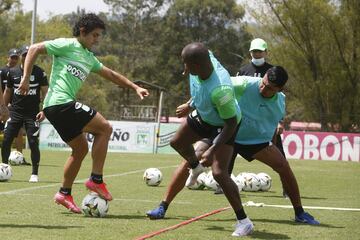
pixel 225 99
pixel 76 72
pixel 31 92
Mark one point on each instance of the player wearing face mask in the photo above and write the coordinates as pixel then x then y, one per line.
pixel 258 65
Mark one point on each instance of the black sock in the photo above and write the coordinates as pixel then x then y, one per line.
pixel 298 210
pixel 96 178
pixel 164 204
pixel 240 214
pixel 35 169
pixel 65 191
pixel 193 164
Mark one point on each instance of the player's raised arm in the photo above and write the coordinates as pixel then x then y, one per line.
pixel 122 81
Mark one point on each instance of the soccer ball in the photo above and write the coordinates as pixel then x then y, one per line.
pixel 240 182
pixel 202 178
pixel 211 183
pixel 5 172
pixel 200 182
pixel 252 182
pixel 16 158
pixel 94 206
pixel 265 181
pixel 152 176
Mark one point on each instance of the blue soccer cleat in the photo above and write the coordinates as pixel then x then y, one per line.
pixel 305 217
pixel 157 213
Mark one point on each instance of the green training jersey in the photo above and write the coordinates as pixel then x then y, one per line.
pixel 214 98
pixel 260 115
pixel 72 63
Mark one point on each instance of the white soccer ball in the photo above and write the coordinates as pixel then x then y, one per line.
pixel 200 182
pixel 94 206
pixel 265 181
pixel 240 182
pixel 211 183
pixel 5 172
pixel 152 176
pixel 202 178
pixel 252 182
pixel 16 158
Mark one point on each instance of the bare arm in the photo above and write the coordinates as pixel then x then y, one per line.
pixel 34 51
pixel 7 95
pixel 184 109
pixel 41 116
pixel 4 112
pixel 43 92
pixel 122 81
pixel 226 133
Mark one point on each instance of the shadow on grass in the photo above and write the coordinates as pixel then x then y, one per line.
pixel 284 221
pixel 260 194
pixel 144 217
pixel 37 226
pixel 268 235
pixel 51 165
pixel 255 234
pixel 292 222
pixel 112 216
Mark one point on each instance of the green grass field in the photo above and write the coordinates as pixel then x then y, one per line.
pixel 28 211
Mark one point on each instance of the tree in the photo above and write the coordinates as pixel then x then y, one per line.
pixel 318 43
pixel 5 5
pixel 216 23
pixel 147 36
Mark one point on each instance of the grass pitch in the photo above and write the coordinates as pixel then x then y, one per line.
pixel 28 211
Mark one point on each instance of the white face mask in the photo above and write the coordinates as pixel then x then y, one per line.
pixel 258 61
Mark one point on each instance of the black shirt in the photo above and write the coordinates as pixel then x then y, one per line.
pixel 254 71
pixel 30 102
pixel 4 72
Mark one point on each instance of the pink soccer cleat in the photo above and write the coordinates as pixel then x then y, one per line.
pixel 67 201
pixel 99 188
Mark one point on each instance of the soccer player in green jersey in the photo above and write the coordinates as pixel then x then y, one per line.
pixel 72 63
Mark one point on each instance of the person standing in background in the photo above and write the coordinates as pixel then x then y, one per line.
pixel 24 110
pixel 12 61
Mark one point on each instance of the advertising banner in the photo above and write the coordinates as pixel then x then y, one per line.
pixel 167 131
pixel 126 137
pixel 140 137
pixel 322 146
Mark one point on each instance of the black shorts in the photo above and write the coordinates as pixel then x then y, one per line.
pixel 17 121
pixel 69 119
pixel 248 151
pixel 206 130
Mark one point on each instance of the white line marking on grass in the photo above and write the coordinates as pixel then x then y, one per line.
pixel 253 204
pixel 78 181
pixel 31 194
pixel 149 201
pixel 28 189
